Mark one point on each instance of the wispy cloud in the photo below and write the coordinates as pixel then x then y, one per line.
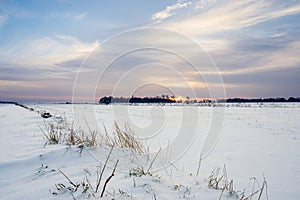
pixel 68 15
pixel 81 16
pixel 268 62
pixel 50 50
pixel 44 59
pixel 232 15
pixel 204 4
pixel 3 20
pixel 169 11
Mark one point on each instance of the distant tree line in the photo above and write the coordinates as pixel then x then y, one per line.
pixel 157 99
pixel 167 99
pixel 260 100
pixel 150 100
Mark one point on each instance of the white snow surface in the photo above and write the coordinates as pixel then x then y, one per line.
pixel 256 141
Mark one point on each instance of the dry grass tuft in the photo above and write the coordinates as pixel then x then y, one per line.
pixel 62 132
pixel 78 136
pixel 123 138
pixel 85 186
pixel 53 133
pixel 220 181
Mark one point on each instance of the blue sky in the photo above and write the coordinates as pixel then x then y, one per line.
pixel 52 50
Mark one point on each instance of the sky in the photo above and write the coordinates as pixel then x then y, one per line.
pixel 63 50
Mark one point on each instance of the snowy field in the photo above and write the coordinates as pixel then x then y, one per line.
pixel 261 141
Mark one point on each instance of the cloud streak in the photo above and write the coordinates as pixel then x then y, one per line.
pixel 169 11
pixel 81 16
pixel 3 20
pixel 232 15
pixel 49 51
pixel 68 15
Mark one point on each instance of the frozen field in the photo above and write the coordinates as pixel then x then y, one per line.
pixel 255 141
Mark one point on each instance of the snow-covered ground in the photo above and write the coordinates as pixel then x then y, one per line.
pixel 255 141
